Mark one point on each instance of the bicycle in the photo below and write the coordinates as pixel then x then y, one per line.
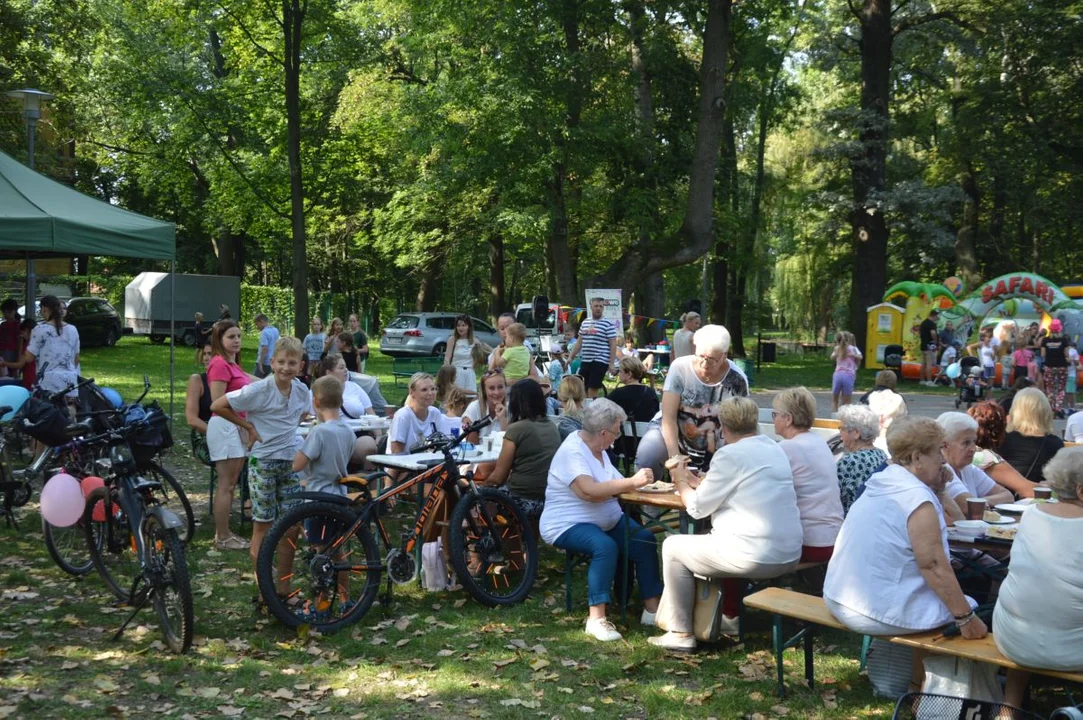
pixel 134 543
pixel 78 457
pixel 322 584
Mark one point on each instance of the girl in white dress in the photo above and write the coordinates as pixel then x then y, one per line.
pixel 459 346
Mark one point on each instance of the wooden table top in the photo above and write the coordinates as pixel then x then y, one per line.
pixel 668 500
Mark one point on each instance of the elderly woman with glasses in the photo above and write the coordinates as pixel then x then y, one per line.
pixel 695 386
pixel 756 529
pixel 815 475
pixel 582 515
pixel 858 427
pixel 890 573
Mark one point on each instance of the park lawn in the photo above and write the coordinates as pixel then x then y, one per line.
pixel 426 654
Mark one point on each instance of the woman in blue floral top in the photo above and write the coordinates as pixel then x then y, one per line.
pixel 858 426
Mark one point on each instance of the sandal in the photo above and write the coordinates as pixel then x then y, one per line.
pixel 231 543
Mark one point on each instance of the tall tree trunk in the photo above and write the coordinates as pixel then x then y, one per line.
pixel 966 255
pixel 428 290
pixel 722 268
pixel 293 16
pixel 695 237
pixel 651 292
pixel 559 244
pixel 869 168
pixel 496 276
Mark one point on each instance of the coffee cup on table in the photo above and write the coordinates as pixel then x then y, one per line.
pixel 975 508
pixel 1043 493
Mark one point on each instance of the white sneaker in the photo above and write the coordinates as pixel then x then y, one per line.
pixel 647 618
pixel 730 625
pixel 602 629
pixel 673 642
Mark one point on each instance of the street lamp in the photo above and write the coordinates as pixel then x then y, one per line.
pixel 32 100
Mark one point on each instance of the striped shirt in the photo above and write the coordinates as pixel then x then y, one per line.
pixel 595 336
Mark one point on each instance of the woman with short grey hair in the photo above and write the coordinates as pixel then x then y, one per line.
pixel 582 516
pixel 695 387
pixel 1038 621
pixel 858 427
pixel 961 442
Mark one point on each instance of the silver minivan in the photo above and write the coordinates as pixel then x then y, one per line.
pixel 426 333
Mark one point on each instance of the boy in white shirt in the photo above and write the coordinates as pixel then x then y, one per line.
pixel 274 407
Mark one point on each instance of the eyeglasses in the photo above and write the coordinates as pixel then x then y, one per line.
pixel 615 434
pixel 711 359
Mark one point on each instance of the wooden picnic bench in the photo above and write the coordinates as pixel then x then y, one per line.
pixel 405 367
pixel 781 602
pixel 810 609
pixel 984 650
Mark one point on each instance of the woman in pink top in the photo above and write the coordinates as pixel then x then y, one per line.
pixel 228 450
pixel 846 356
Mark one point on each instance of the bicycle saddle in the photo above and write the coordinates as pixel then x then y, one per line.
pixel 78 429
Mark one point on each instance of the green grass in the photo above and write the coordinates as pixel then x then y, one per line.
pixel 426 655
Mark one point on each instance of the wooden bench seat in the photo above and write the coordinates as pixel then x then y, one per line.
pixel 811 609
pixel 781 602
pixel 984 650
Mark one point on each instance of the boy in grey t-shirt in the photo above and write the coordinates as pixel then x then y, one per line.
pixel 328 447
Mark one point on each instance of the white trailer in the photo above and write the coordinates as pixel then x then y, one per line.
pixel 152 306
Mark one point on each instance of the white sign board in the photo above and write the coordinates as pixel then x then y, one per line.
pixel 613 309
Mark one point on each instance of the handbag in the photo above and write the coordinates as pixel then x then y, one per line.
pixel 961 678
pixel 706 612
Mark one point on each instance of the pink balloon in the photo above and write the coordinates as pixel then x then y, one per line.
pixel 62 500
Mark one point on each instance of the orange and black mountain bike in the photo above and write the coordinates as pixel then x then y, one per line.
pixel 320 564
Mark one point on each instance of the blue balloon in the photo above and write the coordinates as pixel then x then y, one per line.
pixel 112 396
pixel 953 371
pixel 15 396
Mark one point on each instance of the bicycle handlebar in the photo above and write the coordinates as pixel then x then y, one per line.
pixel 53 397
pixel 446 443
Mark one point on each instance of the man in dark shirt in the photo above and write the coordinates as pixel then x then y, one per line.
pixel 928 338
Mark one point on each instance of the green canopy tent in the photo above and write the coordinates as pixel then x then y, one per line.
pixel 40 218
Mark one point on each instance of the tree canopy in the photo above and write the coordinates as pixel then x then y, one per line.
pixel 782 162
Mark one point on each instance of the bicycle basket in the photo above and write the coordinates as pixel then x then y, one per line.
pixel 152 439
pixel 43 421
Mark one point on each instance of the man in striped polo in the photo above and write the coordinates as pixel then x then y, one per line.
pixel 597 347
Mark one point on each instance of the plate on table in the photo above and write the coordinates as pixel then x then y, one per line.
pixel 1016 507
pixel 1002 521
pixel 658 486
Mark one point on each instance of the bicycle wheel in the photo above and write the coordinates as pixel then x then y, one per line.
pixel 167 574
pixel 172 496
pixel 111 543
pixel 494 552
pixel 313 571
pixel 67 547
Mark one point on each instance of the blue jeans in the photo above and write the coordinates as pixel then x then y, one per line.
pixel 605 547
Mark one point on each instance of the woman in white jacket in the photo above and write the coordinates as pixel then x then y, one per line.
pixel 748 493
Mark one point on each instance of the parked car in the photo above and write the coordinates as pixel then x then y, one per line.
pixel 426 333
pixel 96 320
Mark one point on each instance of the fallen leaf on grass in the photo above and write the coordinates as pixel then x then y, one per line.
pixel 208 692
pixel 445 653
pixel 8 710
pixel 68 665
pixel 283 694
pixel 106 685
pixel 379 640
pixel 403 622
pixel 458 603
pixel 402 642
pixel 585 709
pixel 498 664
pixel 780 710
pixel 230 711
pixel 539 664
pixel 830 702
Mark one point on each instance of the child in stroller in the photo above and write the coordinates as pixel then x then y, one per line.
pixel 973 388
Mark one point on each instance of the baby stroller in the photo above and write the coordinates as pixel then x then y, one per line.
pixel 972 389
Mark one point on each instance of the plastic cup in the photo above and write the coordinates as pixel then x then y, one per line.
pixel 1043 493
pixel 975 508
